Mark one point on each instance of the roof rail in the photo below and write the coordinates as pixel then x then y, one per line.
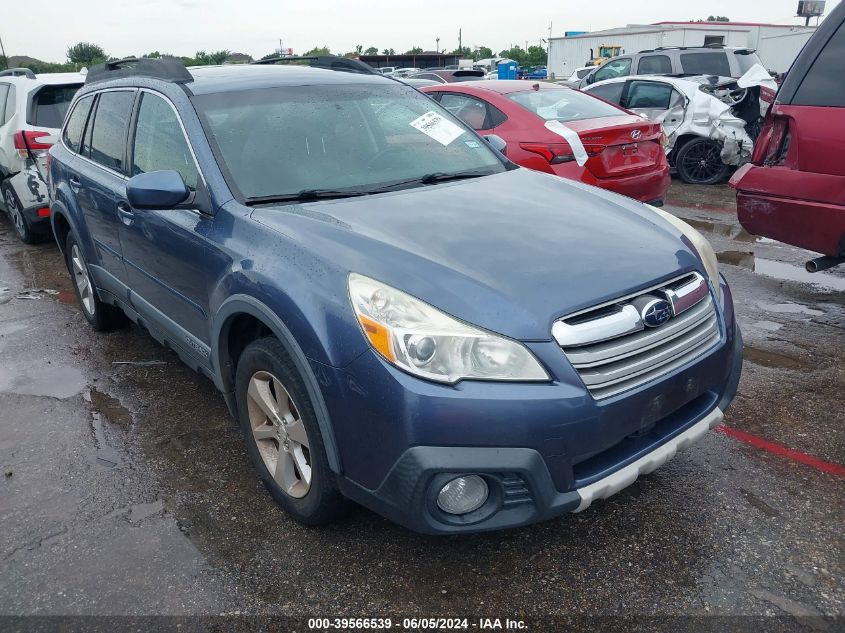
pixel 164 68
pixel 329 62
pixel 18 72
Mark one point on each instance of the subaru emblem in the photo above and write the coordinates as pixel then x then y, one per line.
pixel 656 312
pixel 636 134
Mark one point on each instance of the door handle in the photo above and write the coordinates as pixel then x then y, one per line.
pixel 74 183
pixel 125 213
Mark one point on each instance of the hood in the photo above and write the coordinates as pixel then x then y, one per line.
pixel 510 252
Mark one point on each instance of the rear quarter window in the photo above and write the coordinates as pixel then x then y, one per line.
pixel 51 103
pixel 823 84
pixel 715 63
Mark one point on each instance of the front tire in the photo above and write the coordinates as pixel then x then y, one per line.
pixel 699 162
pixel 282 435
pixel 101 316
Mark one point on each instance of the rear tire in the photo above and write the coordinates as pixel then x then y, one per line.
pixel 282 435
pixel 102 316
pixel 16 215
pixel 699 162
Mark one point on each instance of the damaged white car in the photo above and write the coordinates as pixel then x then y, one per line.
pixel 32 109
pixel 710 122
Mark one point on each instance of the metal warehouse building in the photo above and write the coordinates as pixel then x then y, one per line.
pixel 568 53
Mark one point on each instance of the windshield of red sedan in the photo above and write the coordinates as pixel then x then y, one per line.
pixel 563 105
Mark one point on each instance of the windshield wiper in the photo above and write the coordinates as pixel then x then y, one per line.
pixel 306 195
pixel 432 178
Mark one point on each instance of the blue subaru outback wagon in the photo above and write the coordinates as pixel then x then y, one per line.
pixel 394 312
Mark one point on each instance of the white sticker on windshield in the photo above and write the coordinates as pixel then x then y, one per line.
pixel 434 125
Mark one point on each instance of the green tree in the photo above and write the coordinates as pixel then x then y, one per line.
pixel 359 49
pixel 516 53
pixel 718 18
pixel 415 51
pixel 463 51
pixel 4 62
pixel 484 52
pixel 318 51
pixel 536 56
pixel 372 50
pixel 388 51
pixel 86 54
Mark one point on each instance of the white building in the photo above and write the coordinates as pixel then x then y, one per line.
pixel 568 53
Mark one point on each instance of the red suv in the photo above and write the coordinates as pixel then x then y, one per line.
pixel 794 188
pixel 565 132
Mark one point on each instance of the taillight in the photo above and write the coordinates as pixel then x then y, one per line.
pixel 555 153
pixel 774 141
pixel 26 141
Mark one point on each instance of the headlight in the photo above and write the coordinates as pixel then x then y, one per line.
pixel 700 243
pixel 428 343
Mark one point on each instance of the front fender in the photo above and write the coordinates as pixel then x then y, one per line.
pixel 244 304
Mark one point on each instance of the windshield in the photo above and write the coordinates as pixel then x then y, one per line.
pixel 281 141
pixel 563 104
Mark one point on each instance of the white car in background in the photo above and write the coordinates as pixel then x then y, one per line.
pixel 577 75
pixel 710 122
pixel 32 110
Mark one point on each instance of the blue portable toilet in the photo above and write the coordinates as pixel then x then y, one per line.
pixel 507 69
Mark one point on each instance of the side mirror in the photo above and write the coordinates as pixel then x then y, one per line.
pixel 157 190
pixel 497 143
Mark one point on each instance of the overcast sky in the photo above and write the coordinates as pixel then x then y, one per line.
pixel 46 28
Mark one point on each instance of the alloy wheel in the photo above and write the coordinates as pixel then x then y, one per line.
pixel 703 162
pixel 82 280
pixel 279 433
pixel 15 213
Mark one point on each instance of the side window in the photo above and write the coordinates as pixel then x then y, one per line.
pixel 11 104
pixel 823 85
pixel 649 95
pixel 654 65
pixel 613 69
pixel 715 63
pixel 471 111
pixel 159 141
pixel 108 135
pixel 72 134
pixel 4 91
pixel 609 92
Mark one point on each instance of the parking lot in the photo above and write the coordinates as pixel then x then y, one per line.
pixel 126 488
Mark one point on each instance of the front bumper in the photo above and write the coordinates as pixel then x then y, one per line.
pixel 543 449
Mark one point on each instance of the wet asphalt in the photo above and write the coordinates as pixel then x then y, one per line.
pixel 126 489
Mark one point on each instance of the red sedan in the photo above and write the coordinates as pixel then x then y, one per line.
pixel 565 132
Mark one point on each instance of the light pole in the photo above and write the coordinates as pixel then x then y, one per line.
pixel 437 48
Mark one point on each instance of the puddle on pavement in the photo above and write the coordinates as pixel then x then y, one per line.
pixel 106 411
pixel 774 360
pixel 53 381
pixel 781 270
pixel 720 228
pixel 789 308
pixel 141 511
pixel 736 258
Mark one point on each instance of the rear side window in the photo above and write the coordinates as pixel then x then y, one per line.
pixel 4 91
pixel 715 63
pixel 108 136
pixel 614 69
pixel 76 123
pixel 583 72
pixel 649 94
pixel 823 85
pixel 160 142
pixel 654 65
pixel 50 105
pixel 609 92
pixel 563 104
pixel 11 104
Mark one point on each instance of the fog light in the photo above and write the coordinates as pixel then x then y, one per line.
pixel 463 495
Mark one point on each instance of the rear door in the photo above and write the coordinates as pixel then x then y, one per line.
pixel 657 100
pixel 99 181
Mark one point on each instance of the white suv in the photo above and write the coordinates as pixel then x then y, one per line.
pixel 32 109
